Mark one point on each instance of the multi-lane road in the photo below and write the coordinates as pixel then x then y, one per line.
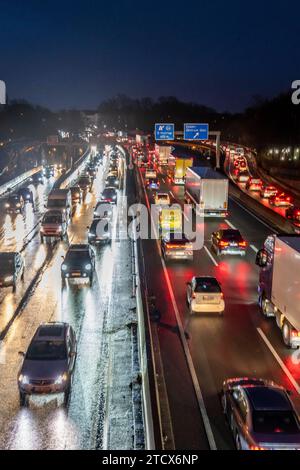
pixel 241 343
pixel 97 317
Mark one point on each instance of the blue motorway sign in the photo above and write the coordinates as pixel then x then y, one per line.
pixel 164 131
pixel 195 131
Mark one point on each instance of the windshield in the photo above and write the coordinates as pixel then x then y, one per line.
pixel 56 203
pixel 47 350
pixel 77 257
pixel 268 422
pixel 52 219
pixel 84 181
pixel 207 286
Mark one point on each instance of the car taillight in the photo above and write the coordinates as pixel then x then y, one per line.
pixel 295 334
pixel 257 448
pixel 222 243
pixel 194 295
pixel 243 243
pixel 222 295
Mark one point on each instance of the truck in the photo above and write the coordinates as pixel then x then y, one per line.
pixel 61 199
pixel 207 190
pixel 141 139
pixel 177 168
pixel 278 285
pixel 170 219
pixel 163 153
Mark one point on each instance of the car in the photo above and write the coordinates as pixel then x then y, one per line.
pixel 293 213
pixel 260 414
pixel 12 269
pixel 152 183
pixel 204 295
pixel 254 184
pixel 85 184
pixel 49 362
pixel 100 231
pixel 14 204
pixel 228 241
pixel 109 195
pixel 281 200
pixel 175 245
pixel 162 199
pixel 112 182
pixel 113 172
pixel 37 178
pixel 268 191
pixel 49 171
pixel 150 173
pixel 26 194
pixel 76 194
pixel 54 225
pixel 92 171
pixel 79 262
pixel 103 209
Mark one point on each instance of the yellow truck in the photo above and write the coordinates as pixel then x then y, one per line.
pixel 170 219
pixel 177 169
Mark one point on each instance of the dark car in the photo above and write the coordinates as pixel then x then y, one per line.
pixel 293 214
pixel 228 241
pixel 281 200
pixel 12 268
pixel 92 171
pixel 176 246
pixel 26 194
pixel 260 414
pixel 103 209
pixel 49 362
pixel 112 181
pixel 79 262
pixel 109 195
pixel 100 231
pixel 76 194
pixel 152 183
pixel 14 204
pixel 49 171
pixel 85 184
pixel 37 178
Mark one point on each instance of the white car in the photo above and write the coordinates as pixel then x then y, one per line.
pixel 162 198
pixel 204 295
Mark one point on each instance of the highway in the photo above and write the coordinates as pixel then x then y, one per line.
pixel 242 343
pixel 94 312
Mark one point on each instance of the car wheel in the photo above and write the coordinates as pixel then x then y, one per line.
pixel 23 399
pixel 67 395
pixel 286 335
pixel 23 274
pixel 91 280
pixel 264 306
pixel 238 442
pixel 14 286
pixel 42 239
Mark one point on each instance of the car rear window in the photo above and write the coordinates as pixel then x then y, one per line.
pixel 231 235
pixel 269 422
pixel 207 286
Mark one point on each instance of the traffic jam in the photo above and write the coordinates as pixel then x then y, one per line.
pixel 244 273
pixel 49 273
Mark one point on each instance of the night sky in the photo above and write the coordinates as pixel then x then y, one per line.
pixel 218 53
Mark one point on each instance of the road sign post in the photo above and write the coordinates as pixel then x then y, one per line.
pixel 164 131
pixel 2 92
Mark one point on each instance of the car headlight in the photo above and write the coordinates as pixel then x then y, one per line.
pixel 7 205
pixel 88 267
pixel 18 204
pixel 61 379
pixel 92 234
pixel 59 228
pixel 23 379
pixel 8 278
pixel 64 267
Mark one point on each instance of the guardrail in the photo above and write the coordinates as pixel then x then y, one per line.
pixel 7 187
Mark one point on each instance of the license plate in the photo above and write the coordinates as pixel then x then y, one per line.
pixel 207 297
pixel 233 244
pixel 76 274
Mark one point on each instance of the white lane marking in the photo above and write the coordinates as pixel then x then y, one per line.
pixel 211 256
pixel 279 360
pixel 230 224
pixel 255 217
pixel 200 399
pixel 172 194
pixel 185 216
pixel 163 180
pixel 254 248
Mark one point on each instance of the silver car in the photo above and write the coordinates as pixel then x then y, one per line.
pixel 260 414
pixel 49 362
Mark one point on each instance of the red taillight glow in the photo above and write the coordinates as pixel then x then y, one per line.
pixel 257 448
pixel 296 334
pixel 243 243
pixel 222 243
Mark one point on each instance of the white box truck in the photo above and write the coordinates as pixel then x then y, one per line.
pixel 207 189
pixel 61 199
pixel 163 153
pixel 279 284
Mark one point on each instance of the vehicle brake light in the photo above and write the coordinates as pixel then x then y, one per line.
pixel 295 333
pixel 193 296
pixel 257 448
pixel 243 243
pixel 222 243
